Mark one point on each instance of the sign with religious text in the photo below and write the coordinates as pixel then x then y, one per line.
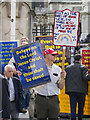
pixel 66 28
pixel 5 52
pixel 30 62
pixel 86 61
pixel 86 58
pixel 46 42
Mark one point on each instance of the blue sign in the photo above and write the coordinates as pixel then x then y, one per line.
pixel 6 52
pixel 30 62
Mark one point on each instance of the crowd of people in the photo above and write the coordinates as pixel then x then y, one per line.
pixel 44 98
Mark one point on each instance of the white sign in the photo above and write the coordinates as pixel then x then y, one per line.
pixel 66 27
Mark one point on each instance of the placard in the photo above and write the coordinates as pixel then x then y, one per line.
pixel 46 42
pixel 86 61
pixel 66 28
pixel 86 58
pixel 31 63
pixel 6 53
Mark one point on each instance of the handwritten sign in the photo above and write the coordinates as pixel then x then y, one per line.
pixel 30 62
pixel 5 52
pixel 66 27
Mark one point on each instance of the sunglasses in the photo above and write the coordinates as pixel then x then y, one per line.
pixel 53 54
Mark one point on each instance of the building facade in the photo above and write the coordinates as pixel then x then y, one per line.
pixel 37 18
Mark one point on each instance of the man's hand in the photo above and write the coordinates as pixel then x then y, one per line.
pixel 19 73
pixel 63 74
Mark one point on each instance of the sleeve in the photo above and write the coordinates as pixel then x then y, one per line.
pixel 5 100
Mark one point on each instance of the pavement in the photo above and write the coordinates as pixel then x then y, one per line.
pixel 25 116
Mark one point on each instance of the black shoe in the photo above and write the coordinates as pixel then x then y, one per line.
pixel 23 110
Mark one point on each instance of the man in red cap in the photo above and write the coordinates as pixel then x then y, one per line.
pixel 47 102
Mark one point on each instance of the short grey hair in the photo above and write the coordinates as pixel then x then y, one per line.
pixel 7 66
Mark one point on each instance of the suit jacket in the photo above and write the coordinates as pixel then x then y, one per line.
pixel 76 78
pixel 5 96
pixel 1 77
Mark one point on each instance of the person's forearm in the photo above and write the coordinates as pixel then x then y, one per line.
pixel 61 84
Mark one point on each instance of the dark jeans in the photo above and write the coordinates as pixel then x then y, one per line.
pixel 26 99
pixel 74 98
pixel 47 107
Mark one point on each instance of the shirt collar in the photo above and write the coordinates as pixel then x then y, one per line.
pixel 7 78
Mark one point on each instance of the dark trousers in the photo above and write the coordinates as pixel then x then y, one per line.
pixel 25 99
pixel 74 98
pixel 47 107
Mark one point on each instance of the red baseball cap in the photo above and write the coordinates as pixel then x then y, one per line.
pixel 50 51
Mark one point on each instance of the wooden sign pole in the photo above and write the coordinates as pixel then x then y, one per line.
pixel 63 58
pixel 63 61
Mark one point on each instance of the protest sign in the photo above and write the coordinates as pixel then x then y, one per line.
pixel 6 53
pixel 66 28
pixel 86 58
pixel 85 52
pixel 46 42
pixel 30 62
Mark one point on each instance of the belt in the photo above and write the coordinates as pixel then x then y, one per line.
pixel 12 101
pixel 47 97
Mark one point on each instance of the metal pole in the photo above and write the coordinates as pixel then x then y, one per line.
pixel 13 19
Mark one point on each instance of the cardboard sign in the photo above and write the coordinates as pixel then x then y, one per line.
pixel 66 27
pixel 30 62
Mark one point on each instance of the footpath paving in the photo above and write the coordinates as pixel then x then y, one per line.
pixel 25 116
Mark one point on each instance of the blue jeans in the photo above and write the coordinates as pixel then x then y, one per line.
pixel 26 99
pixel 74 98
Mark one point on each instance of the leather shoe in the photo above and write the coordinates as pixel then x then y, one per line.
pixel 23 110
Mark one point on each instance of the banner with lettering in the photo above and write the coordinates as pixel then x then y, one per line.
pixel 86 61
pixel 66 28
pixel 46 42
pixel 30 62
pixel 86 58
pixel 6 53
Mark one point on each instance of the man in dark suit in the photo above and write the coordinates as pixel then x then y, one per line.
pixel 76 86
pixel 11 95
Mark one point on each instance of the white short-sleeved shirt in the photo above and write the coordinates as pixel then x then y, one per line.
pixel 50 88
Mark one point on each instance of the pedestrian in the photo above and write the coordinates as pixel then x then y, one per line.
pixel 77 49
pixel 47 102
pixel 26 93
pixel 11 95
pixel 27 99
pixel 76 86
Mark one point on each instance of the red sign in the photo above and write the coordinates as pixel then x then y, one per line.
pixel 86 58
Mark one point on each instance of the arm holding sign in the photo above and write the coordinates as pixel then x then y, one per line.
pixel 62 82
